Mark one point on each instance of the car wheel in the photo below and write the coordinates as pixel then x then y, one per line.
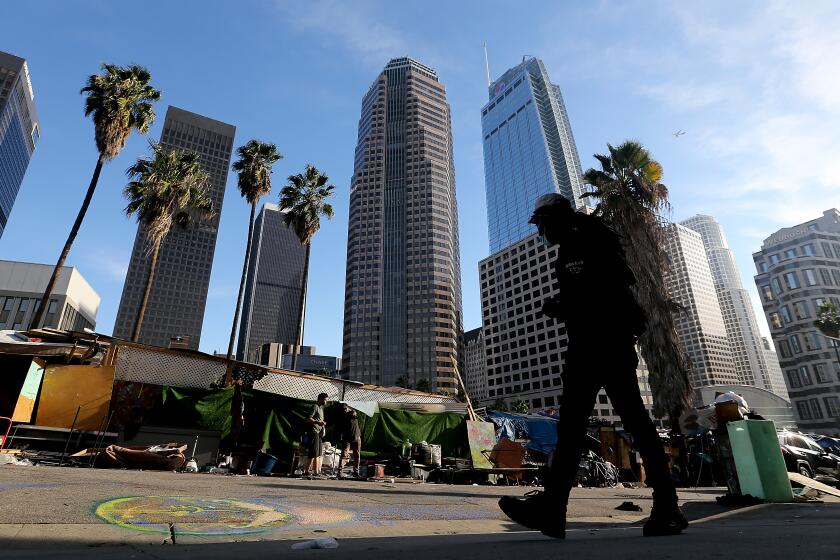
pixel 804 470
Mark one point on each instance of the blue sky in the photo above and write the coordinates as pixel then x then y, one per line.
pixel 755 85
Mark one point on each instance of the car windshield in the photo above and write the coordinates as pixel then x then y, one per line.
pixel 811 444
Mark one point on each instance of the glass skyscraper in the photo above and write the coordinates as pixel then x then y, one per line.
pixel 529 151
pixel 19 130
pixel 402 305
pixel 271 306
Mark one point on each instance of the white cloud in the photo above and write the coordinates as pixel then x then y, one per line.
pixel 104 261
pixel 351 23
pixel 775 77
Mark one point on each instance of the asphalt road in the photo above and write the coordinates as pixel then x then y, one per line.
pixel 68 513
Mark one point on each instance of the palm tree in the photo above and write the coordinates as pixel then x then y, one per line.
pixel 304 200
pixel 120 100
pixel 168 188
pixel 254 180
pixel 632 199
pixel 828 323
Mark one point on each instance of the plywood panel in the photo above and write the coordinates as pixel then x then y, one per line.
pixel 28 393
pixel 66 388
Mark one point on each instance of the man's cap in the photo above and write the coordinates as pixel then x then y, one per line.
pixel 547 204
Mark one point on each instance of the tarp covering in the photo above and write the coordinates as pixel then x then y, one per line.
pixel 279 421
pixel 540 431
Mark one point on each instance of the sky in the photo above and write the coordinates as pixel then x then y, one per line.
pixel 755 85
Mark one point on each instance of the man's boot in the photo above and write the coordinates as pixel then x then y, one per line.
pixel 665 517
pixel 536 511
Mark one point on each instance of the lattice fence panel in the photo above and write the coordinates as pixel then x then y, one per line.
pixel 307 388
pixel 166 368
pixel 355 393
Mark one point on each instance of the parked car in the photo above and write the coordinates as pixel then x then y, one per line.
pixel 830 444
pixel 805 456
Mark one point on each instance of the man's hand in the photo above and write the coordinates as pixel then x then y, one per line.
pixel 552 307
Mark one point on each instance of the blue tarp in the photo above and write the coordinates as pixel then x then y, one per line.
pixel 539 430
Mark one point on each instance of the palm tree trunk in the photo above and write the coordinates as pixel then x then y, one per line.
pixel 138 323
pixel 242 281
pixel 302 314
pixel 39 314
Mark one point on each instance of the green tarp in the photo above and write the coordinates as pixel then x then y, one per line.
pixel 280 421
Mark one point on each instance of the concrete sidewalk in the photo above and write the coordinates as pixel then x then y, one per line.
pixel 53 511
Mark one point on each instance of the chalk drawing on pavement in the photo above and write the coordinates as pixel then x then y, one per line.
pixel 192 515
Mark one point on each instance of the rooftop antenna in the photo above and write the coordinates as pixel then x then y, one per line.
pixel 486 64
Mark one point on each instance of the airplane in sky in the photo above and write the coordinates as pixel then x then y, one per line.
pixel 678 133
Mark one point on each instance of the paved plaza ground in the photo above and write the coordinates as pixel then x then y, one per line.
pixel 50 512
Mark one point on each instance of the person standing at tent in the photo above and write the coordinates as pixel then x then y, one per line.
pixel 602 321
pixel 317 428
pixel 351 441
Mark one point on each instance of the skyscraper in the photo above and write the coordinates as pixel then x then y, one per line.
pixel 798 270
pixel 751 360
pixel 402 306
pixel 273 286
pixel 179 291
pixel 700 324
pixel 529 150
pixel 475 364
pixel 19 130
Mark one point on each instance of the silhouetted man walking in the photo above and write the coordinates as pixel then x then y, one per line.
pixel 602 322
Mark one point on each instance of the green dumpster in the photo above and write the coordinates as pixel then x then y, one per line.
pixel 758 460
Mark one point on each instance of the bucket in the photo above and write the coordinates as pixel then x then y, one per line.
pixel 264 464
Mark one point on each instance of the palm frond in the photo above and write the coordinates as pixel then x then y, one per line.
pixel 120 100
pixel 304 201
pixel 170 187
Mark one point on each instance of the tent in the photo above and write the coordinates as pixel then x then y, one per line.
pixel 279 421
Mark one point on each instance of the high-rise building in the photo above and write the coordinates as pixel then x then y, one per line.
pixel 271 306
pixel 475 364
pixel 73 304
pixel 700 324
pixel 19 130
pixel 529 150
pixel 179 291
pixel 752 362
pixel 402 310
pixel 798 270
pixel 525 351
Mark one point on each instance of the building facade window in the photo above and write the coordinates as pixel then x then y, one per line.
pixel 832 406
pixel 805 375
pixel 791 281
pixel 820 373
pixel 804 410
pixel 810 277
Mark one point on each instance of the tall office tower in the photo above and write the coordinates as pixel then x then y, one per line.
pixel 529 150
pixel 19 130
pixel 746 345
pixel 402 306
pixel 700 325
pixel 475 365
pixel 775 369
pixel 798 270
pixel 273 286
pixel 525 351
pixel 179 291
